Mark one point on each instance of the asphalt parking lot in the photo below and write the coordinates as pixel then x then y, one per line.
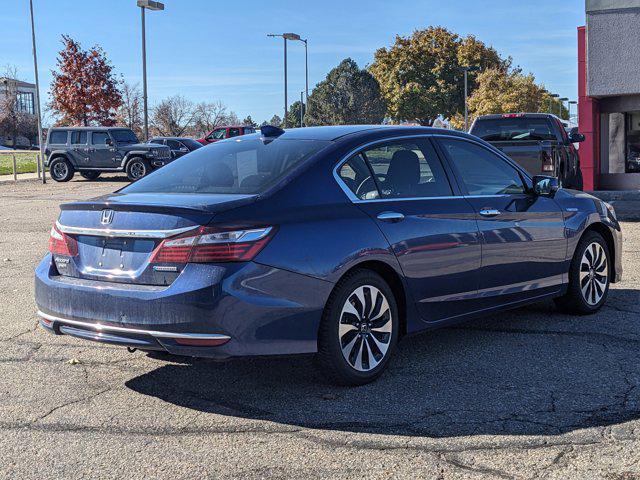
pixel 527 394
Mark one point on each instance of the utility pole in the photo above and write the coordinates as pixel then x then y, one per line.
pixel 38 112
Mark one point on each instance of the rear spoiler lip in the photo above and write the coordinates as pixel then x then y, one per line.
pixel 102 204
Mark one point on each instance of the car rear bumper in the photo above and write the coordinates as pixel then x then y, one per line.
pixel 210 310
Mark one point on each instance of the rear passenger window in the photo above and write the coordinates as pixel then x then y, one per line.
pixel 407 169
pixel 483 172
pixel 355 174
pixel 78 138
pixel 99 138
pixel 58 138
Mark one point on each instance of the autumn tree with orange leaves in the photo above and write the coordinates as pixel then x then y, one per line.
pixel 85 91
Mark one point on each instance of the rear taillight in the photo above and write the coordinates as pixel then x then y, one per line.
pixel 547 162
pixel 212 245
pixel 61 243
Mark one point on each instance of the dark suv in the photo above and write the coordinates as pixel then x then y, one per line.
pixel 93 150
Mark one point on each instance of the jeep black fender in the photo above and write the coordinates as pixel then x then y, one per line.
pixel 132 154
pixel 59 153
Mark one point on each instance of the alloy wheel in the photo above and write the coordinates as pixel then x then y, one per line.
pixel 137 170
pixel 365 328
pixel 594 273
pixel 60 170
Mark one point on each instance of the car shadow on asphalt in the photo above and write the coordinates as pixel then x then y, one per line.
pixel 531 371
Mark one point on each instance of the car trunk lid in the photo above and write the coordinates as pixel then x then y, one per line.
pixel 117 235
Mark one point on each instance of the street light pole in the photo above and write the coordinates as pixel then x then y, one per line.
pixel 302 107
pixel 146 4
pixel 551 97
pixel 291 36
pixel 562 100
pixel 306 71
pixel 38 113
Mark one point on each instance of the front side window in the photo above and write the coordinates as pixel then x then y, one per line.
pixel 217 134
pixel 234 132
pixel 407 169
pixel 482 171
pixel 58 137
pixel 248 165
pixel 99 138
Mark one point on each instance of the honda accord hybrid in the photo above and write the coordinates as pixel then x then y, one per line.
pixel 333 241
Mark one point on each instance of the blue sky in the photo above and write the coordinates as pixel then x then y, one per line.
pixel 213 50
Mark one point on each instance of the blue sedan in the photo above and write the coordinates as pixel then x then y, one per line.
pixel 334 241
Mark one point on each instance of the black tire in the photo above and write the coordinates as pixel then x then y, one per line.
pixel 365 341
pixel 592 262
pixel 90 175
pixel 137 168
pixel 61 169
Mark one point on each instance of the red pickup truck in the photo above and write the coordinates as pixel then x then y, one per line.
pixel 220 133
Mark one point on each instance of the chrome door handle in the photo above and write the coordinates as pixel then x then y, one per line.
pixel 392 217
pixel 489 212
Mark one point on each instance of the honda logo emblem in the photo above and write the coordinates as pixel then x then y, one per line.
pixel 107 217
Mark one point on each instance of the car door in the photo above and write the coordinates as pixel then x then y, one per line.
pixel 79 149
pixel 523 237
pixel 402 185
pixel 101 153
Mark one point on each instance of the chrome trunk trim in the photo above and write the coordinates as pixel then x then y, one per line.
pixel 108 232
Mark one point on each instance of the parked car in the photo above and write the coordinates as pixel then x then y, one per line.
pixel 93 150
pixel 220 133
pixel 179 146
pixel 328 240
pixel 538 142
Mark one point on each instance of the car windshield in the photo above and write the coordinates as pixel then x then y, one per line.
pixel 124 136
pixel 513 129
pixel 191 143
pixel 248 164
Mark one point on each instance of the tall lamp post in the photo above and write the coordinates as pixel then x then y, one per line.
pixel 562 100
pixel 551 97
pixel 38 113
pixel 571 102
pixel 466 89
pixel 153 6
pixel 292 36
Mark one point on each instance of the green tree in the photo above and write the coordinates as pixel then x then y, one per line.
pixel 248 121
pixel 348 95
pixel 507 92
pixel 275 121
pixel 421 76
pixel 293 115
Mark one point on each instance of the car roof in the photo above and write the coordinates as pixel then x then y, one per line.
pixel 519 115
pixel 336 132
pixel 90 128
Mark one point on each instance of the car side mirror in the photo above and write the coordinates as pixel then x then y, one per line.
pixel 575 137
pixel 545 186
pixel 109 142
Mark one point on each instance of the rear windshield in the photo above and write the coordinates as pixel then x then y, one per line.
pixel 124 136
pixel 239 165
pixel 503 129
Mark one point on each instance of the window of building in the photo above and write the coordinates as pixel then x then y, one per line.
pixel 25 102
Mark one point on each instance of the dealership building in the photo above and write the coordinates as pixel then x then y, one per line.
pixel 609 94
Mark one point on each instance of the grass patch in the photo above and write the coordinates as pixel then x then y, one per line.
pixel 25 163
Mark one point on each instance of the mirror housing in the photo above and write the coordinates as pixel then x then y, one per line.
pixel 545 186
pixel 575 136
